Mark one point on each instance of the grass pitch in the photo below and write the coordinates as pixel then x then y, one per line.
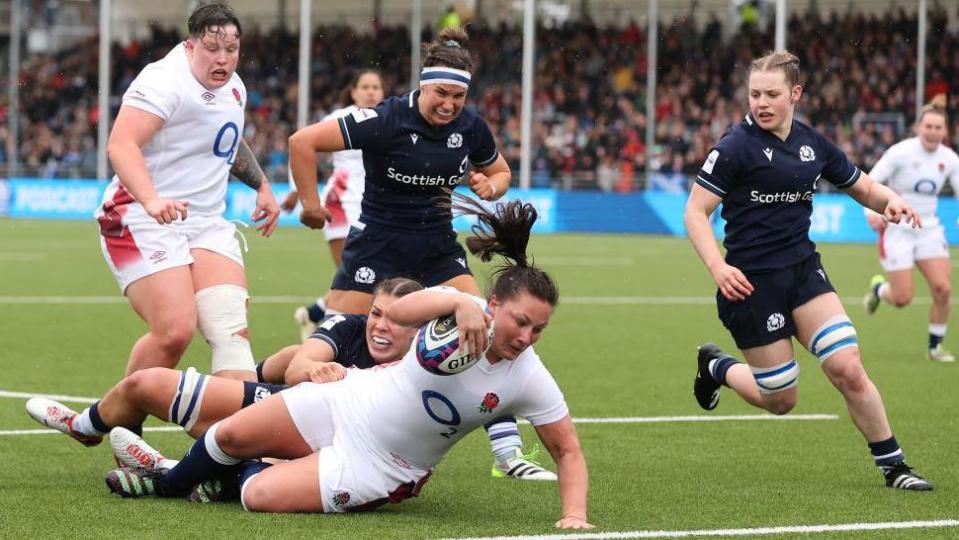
pixel 621 344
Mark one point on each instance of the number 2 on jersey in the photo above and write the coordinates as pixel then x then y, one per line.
pixel 429 396
pixel 218 143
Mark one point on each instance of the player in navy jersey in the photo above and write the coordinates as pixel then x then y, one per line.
pixel 772 285
pixel 415 147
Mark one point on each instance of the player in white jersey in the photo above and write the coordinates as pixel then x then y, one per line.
pixel 917 168
pixel 175 142
pixel 375 436
pixel 343 192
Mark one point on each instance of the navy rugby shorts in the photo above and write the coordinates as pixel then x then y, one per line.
pixel 765 316
pixel 375 253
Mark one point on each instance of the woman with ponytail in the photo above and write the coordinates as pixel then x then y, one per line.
pixel 374 436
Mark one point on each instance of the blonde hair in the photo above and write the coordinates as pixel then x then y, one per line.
pixel 937 105
pixel 784 61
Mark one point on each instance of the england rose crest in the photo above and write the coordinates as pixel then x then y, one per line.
pixel 490 402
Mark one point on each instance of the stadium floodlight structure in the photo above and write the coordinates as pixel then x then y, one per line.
pixel 652 54
pixel 781 25
pixel 921 58
pixel 103 89
pixel 526 103
pixel 13 91
pixel 306 59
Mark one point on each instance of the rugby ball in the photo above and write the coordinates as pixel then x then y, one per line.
pixel 438 347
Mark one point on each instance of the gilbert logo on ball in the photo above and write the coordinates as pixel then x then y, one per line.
pixel 438 347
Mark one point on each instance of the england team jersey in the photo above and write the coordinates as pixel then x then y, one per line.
pixel 190 157
pixel 408 162
pixel 346 335
pixel 918 176
pixel 350 163
pixel 412 417
pixel 767 187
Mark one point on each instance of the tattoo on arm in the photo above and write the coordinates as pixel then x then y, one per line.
pixel 246 168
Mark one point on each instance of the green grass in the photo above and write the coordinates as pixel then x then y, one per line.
pixel 610 360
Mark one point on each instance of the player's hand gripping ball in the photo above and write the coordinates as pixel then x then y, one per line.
pixel 438 347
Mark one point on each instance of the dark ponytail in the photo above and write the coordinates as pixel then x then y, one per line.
pixel 505 232
pixel 447 50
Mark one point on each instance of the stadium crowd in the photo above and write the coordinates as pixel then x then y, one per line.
pixel 589 95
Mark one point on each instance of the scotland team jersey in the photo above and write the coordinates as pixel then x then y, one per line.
pixel 408 162
pixel 346 334
pixel 767 187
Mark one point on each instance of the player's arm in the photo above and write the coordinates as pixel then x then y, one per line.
pixel 881 172
pixel 323 136
pixel 561 441
pixel 491 182
pixel 312 354
pixel 416 308
pixel 730 280
pixel 247 170
pixel 881 199
pixel 132 130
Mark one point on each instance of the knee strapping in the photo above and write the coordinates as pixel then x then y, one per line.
pixel 836 334
pixel 777 378
pixel 214 450
pixel 221 314
pixel 185 408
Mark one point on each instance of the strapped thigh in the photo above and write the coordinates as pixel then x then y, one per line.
pixel 185 407
pixel 834 335
pixel 771 380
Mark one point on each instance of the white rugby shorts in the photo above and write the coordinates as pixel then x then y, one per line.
pixel 135 245
pixel 343 204
pixel 352 476
pixel 900 246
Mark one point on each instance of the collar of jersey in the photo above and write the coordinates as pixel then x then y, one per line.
pixel 749 123
pixel 414 121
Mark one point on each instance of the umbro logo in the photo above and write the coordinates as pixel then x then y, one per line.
pixel 769 153
pixel 207 96
pixel 415 137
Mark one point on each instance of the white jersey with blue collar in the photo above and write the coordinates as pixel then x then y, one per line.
pixel 190 156
pixel 918 175
pixel 409 415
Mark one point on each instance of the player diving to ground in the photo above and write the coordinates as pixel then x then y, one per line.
pixel 376 435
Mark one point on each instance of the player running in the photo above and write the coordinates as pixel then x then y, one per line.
pixel 175 142
pixel 917 168
pixel 772 285
pixel 342 192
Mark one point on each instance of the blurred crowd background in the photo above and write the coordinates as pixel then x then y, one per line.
pixel 589 119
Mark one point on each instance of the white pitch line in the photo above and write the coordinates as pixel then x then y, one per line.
pixel 49 431
pixel 602 420
pixel 57 397
pixel 268 300
pixel 756 531
pixel 727 418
